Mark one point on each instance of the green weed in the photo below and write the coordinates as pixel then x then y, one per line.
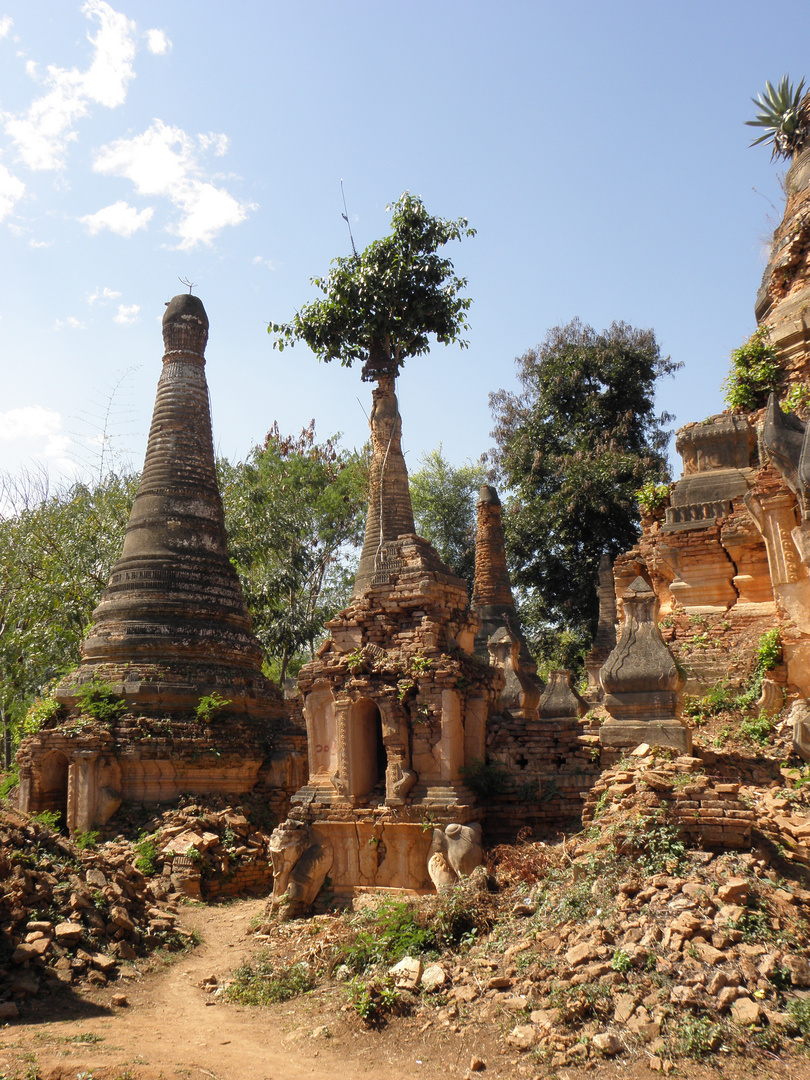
pixel 263 984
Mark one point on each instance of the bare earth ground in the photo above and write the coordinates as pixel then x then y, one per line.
pixel 173 1028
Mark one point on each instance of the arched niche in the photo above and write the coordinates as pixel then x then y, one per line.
pixel 367 754
pixel 53 783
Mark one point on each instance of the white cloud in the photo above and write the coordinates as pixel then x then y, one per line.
pixel 70 323
pixel 44 131
pixel 164 161
pixel 259 260
pixel 119 218
pixel 38 434
pixel 6 24
pixel 28 422
pixel 157 42
pixel 12 190
pixel 127 314
pixel 102 296
pixel 40 243
pixel 32 69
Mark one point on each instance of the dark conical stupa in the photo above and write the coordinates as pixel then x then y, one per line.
pixel 172 624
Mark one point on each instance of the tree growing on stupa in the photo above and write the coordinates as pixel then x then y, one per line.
pixel 381 306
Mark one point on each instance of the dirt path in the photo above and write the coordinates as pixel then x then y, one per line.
pixel 173 1028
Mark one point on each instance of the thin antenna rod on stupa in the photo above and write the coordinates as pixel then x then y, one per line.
pixel 191 284
pixel 345 216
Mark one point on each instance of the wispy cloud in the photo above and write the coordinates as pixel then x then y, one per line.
pixel 39 430
pixel 70 323
pixel 6 24
pixel 119 218
pixel 259 260
pixel 157 42
pixel 165 161
pixel 12 190
pixel 42 133
pixel 102 296
pixel 127 314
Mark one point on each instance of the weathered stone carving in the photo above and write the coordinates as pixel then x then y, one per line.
pixel 521 691
pixel 301 859
pixel 559 698
pixel 800 722
pixel 455 852
pixel 716 458
pixel 642 683
pixel 786 440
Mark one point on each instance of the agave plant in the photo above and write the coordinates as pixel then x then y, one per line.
pixel 782 116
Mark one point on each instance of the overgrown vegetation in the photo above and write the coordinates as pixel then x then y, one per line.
pixel 98 700
pixel 754 373
pixel 209 706
pixel 263 983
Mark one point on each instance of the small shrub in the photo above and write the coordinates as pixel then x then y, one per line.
pixel 50 819
pixel 621 961
pixel 757 729
pixel 10 781
pixel 354 661
pixel 39 714
pixel 392 932
pixel 799 1012
pixel 652 497
pixel 656 844
pixel 372 1002
pixel 98 700
pixel 797 400
pixel 86 841
pixel 147 851
pixel 210 706
pixel 697 1036
pixel 754 373
pixel 262 984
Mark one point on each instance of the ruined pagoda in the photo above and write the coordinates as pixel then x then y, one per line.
pixel 170 648
pixel 396 702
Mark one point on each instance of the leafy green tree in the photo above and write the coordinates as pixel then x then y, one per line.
pixel 573 446
pixel 294 511
pixel 444 499
pixel 382 306
pixel 56 552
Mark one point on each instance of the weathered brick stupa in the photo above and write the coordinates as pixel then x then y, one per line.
pixel 499 634
pixel 396 702
pixel 170 651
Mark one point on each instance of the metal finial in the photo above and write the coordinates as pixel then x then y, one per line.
pixel 185 281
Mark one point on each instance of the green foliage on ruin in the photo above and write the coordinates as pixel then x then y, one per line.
pixel 57 547
pixel 98 700
pixel 754 373
pixel 209 706
pixel 574 445
pixel 444 499
pixel 782 116
pixel 383 305
pixel 294 512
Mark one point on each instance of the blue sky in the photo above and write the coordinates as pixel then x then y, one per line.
pixel 598 148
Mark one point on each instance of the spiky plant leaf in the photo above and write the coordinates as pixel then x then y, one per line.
pixel 782 116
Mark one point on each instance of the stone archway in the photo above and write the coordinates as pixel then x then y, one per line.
pixel 369 757
pixel 53 784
